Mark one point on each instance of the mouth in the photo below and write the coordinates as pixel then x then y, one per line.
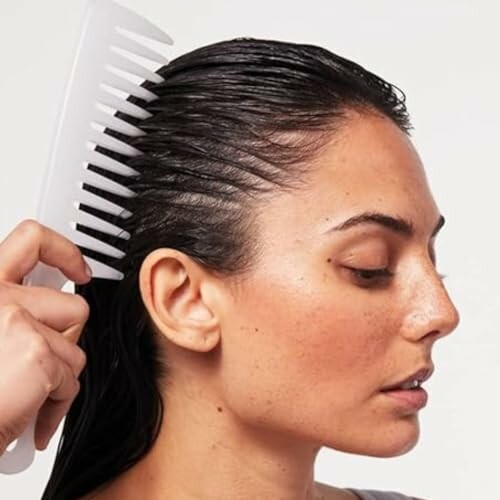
pixel 408 391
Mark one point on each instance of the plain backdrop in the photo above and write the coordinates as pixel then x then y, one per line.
pixel 444 56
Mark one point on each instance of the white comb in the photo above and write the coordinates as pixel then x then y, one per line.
pixel 106 27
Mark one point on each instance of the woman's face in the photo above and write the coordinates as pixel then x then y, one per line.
pixel 308 343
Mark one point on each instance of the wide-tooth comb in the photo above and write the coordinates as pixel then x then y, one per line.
pixel 97 70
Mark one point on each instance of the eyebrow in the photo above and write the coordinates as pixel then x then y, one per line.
pixel 396 224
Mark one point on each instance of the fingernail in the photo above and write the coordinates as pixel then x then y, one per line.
pixel 88 271
pixel 41 445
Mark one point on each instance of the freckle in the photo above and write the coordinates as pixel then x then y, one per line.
pixel 256 329
pixel 268 401
pixel 219 409
pixel 328 260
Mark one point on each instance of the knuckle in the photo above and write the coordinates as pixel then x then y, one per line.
pixel 49 379
pixel 81 359
pixel 83 307
pixel 31 228
pixel 10 314
pixel 38 350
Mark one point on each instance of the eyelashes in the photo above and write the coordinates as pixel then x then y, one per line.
pixel 373 277
pixel 370 278
pixel 370 274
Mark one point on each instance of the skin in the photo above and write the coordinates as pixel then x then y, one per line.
pixel 39 327
pixel 268 368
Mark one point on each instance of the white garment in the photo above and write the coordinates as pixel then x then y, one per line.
pixel 378 495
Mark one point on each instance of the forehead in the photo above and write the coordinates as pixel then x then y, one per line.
pixel 368 164
pixel 370 154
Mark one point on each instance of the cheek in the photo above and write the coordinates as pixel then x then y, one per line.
pixel 290 351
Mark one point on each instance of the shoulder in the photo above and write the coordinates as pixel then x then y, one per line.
pixel 327 492
pixel 382 495
pixel 331 492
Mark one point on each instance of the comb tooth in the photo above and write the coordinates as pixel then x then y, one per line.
pixel 100 203
pixel 125 85
pixel 108 120
pixel 104 161
pixel 124 42
pixel 123 63
pixel 100 270
pixel 119 104
pixel 87 241
pixel 112 143
pixel 94 222
pixel 131 21
pixel 96 180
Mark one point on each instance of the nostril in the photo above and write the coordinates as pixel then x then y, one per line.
pixel 435 335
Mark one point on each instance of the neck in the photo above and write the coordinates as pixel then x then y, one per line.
pixel 204 451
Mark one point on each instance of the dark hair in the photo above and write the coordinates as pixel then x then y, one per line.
pixel 232 121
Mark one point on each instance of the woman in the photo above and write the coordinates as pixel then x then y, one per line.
pixel 280 286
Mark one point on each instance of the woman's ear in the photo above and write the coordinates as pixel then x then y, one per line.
pixel 178 294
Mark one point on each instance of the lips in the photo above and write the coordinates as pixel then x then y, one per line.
pixel 421 375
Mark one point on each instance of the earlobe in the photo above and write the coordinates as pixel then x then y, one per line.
pixel 174 289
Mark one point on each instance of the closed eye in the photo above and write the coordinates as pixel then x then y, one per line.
pixel 367 278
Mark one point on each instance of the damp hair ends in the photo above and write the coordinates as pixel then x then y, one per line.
pixel 233 120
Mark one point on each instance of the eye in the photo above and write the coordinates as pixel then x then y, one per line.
pixel 370 277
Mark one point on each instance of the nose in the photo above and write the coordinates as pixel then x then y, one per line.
pixel 432 312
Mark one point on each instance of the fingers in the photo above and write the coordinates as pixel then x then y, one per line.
pixel 64 386
pixel 63 367
pixel 38 365
pixel 65 349
pixel 30 242
pixel 36 340
pixel 58 310
pixel 39 329
pixel 52 412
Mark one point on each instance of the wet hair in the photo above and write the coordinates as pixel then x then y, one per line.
pixel 233 121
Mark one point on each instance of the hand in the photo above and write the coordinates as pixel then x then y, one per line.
pixel 39 327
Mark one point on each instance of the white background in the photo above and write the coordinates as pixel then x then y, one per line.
pixel 444 56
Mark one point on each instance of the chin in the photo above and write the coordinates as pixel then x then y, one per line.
pixel 394 451
pixel 398 440
pixel 394 440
